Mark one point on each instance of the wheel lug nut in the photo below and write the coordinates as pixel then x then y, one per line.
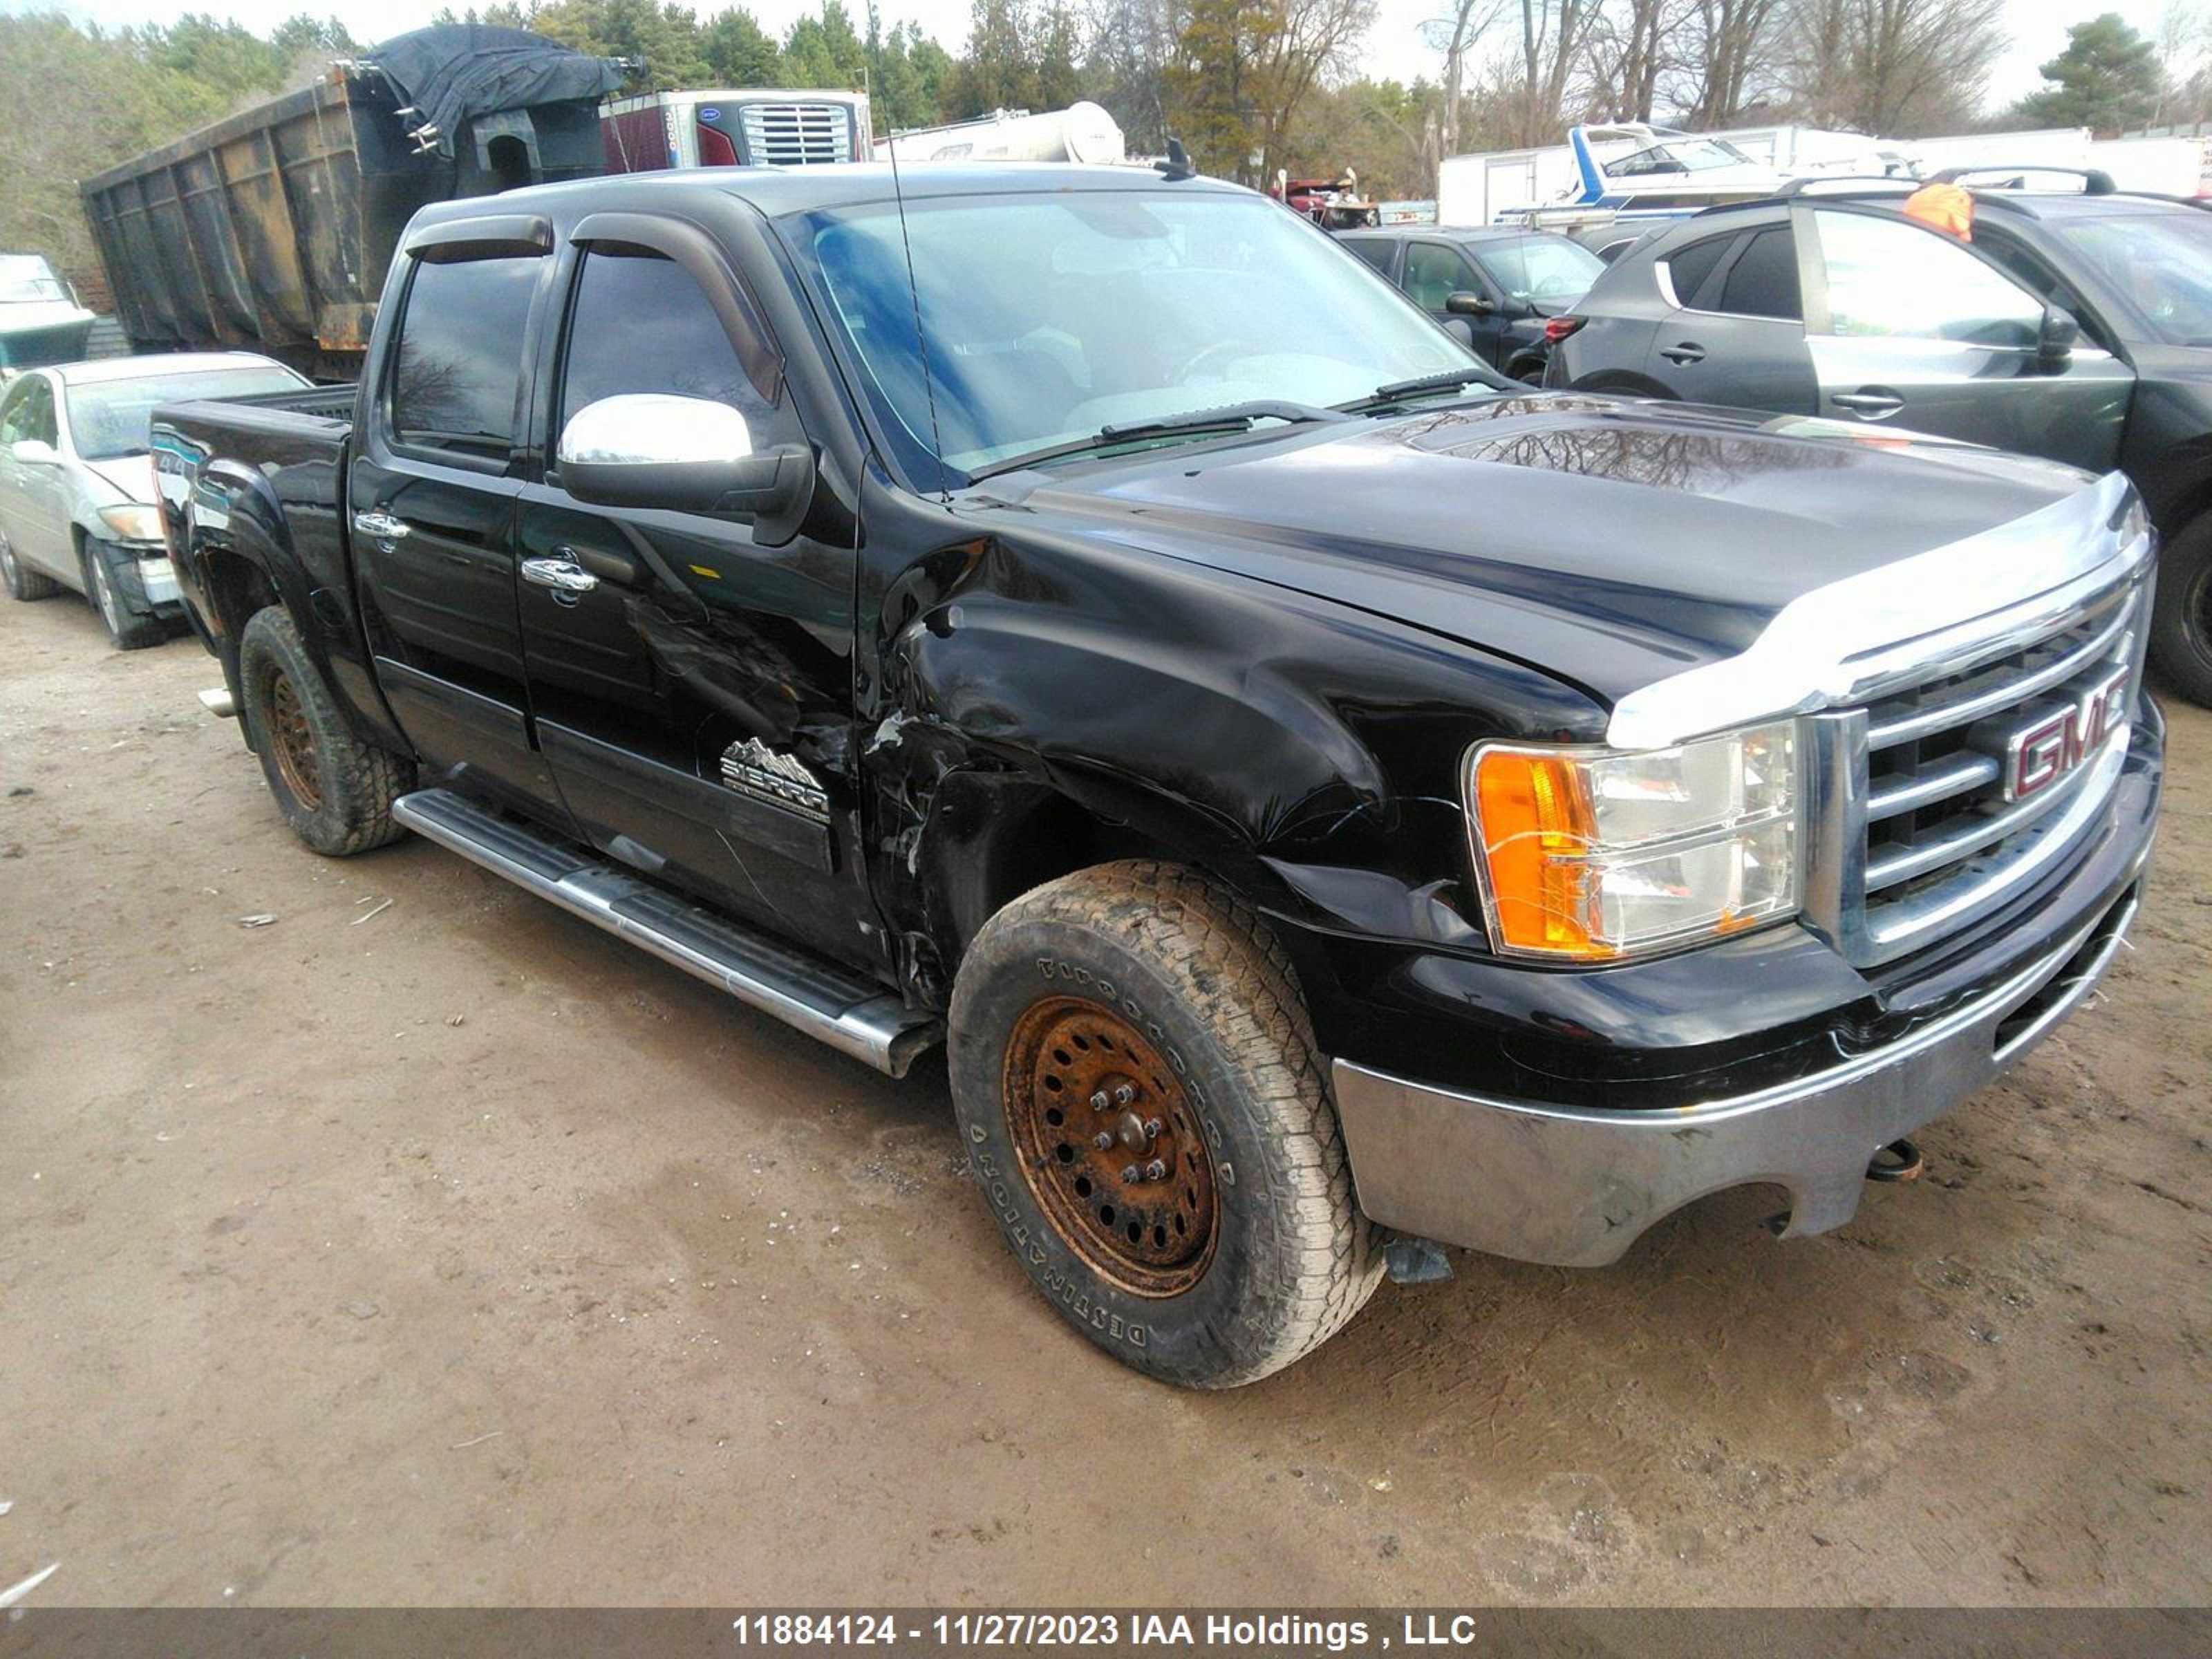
pixel 1130 1174
pixel 1155 1170
pixel 1099 1103
pixel 1152 1127
pixel 1124 1095
pixel 1102 1141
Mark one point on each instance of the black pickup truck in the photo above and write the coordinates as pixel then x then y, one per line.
pixel 1330 799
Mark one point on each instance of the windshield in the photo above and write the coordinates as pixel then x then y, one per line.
pixel 1049 318
pixel 24 277
pixel 1679 155
pixel 1545 270
pixel 2161 262
pixel 109 419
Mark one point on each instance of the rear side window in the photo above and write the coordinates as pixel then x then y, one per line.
pixel 1689 268
pixel 1763 281
pixel 457 370
pixel 640 324
pixel 1376 249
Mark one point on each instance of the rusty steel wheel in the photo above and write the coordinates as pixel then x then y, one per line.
pixel 293 741
pixel 1110 1147
pixel 333 789
pixel 1129 1038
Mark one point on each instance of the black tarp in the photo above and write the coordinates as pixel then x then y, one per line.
pixel 452 72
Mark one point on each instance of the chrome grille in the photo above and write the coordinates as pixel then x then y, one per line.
pixel 1916 780
pixel 794 134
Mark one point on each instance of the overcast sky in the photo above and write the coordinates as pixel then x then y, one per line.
pixel 1396 48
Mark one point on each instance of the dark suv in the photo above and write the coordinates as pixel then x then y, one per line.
pixel 1498 286
pixel 2075 326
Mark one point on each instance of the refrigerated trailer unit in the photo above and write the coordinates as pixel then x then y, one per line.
pixel 734 127
pixel 272 231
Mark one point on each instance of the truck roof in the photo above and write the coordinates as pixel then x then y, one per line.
pixel 777 191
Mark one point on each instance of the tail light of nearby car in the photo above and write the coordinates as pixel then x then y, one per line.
pixel 1557 329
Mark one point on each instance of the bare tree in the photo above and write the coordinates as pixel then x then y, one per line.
pixel 1896 68
pixel 1132 42
pixel 1554 34
pixel 2181 42
pixel 1455 35
pixel 1631 45
pixel 1731 52
pixel 1312 39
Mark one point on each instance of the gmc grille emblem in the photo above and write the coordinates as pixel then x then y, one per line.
pixel 2038 755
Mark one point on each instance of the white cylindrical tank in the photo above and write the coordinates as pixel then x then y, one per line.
pixel 1081 133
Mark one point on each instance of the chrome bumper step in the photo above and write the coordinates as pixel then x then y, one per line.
pixel 851 1014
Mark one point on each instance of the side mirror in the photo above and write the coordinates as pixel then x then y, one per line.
pixel 2054 341
pixel 681 454
pixel 1464 304
pixel 36 452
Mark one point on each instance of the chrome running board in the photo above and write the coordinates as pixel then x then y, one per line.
pixel 849 1013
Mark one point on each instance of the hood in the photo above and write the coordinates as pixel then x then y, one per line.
pixel 1609 544
pixel 131 476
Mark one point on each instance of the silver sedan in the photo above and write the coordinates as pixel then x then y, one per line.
pixel 77 501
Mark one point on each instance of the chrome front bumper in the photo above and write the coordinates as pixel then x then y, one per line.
pixel 1575 1187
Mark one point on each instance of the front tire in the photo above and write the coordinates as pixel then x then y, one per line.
pixel 1214 1238
pixel 2181 618
pixel 334 790
pixel 130 627
pixel 23 583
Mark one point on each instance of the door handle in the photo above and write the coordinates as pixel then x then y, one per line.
pixel 1687 352
pixel 561 574
pixel 380 525
pixel 1874 405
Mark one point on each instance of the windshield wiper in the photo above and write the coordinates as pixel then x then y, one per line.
pixel 1198 423
pixel 1396 391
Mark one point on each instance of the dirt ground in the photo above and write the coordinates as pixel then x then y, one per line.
pixel 426 1246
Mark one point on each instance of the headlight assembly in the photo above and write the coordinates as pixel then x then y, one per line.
pixel 133 522
pixel 1594 855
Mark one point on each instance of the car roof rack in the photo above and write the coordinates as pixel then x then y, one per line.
pixel 1859 184
pixel 2095 181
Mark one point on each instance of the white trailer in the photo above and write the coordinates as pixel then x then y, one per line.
pixel 1082 132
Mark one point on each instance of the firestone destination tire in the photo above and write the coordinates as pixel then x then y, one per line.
pixel 1139 1095
pixel 335 790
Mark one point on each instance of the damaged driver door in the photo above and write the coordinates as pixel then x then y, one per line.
pixel 689 671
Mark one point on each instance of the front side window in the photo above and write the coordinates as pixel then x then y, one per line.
pixel 110 419
pixel 457 370
pixel 20 416
pixel 1544 271
pixel 1892 280
pixel 1096 308
pixel 1434 273
pixel 640 324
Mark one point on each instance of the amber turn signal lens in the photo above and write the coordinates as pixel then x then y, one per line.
pixel 1537 825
